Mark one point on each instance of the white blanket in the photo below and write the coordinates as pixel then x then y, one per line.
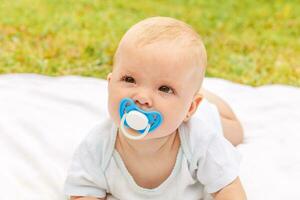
pixel 42 120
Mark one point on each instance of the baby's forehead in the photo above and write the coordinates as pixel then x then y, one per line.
pixel 160 56
pixel 160 65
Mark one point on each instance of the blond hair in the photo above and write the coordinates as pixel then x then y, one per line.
pixel 155 29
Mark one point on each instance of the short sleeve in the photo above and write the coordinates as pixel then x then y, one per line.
pixel 208 113
pixel 85 176
pixel 219 166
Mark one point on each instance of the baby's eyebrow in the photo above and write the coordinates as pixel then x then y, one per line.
pixel 159 81
pixel 128 72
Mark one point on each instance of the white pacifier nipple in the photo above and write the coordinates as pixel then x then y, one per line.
pixel 136 120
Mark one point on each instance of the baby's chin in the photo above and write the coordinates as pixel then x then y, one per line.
pixel 157 134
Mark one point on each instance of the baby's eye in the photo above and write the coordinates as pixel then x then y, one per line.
pixel 166 89
pixel 128 79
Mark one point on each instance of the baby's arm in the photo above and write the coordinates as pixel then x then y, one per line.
pixel 233 130
pixel 233 191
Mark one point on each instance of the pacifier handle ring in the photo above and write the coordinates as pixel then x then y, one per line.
pixel 131 136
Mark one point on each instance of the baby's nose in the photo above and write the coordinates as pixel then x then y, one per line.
pixel 143 102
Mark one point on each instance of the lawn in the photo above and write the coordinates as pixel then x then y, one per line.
pixel 250 42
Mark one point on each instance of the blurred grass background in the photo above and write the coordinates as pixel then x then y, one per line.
pixel 250 42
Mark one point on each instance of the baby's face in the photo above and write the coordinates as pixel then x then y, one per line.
pixel 157 77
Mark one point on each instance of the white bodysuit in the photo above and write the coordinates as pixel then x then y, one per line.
pixel 206 162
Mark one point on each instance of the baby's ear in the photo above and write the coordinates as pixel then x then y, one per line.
pixel 195 103
pixel 108 76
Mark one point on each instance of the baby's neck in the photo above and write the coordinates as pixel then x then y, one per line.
pixel 147 148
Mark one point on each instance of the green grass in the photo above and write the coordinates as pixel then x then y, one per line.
pixel 250 42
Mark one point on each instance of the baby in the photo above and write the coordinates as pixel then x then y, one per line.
pixel 155 145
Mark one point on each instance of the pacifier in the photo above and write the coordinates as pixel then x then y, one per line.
pixel 135 118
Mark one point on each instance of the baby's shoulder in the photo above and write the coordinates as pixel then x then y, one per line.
pixel 203 127
pixel 100 133
pixel 98 144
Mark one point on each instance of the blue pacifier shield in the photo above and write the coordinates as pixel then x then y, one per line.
pixel 154 117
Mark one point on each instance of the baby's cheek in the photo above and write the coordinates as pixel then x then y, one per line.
pixel 176 117
pixel 170 122
pixel 114 112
